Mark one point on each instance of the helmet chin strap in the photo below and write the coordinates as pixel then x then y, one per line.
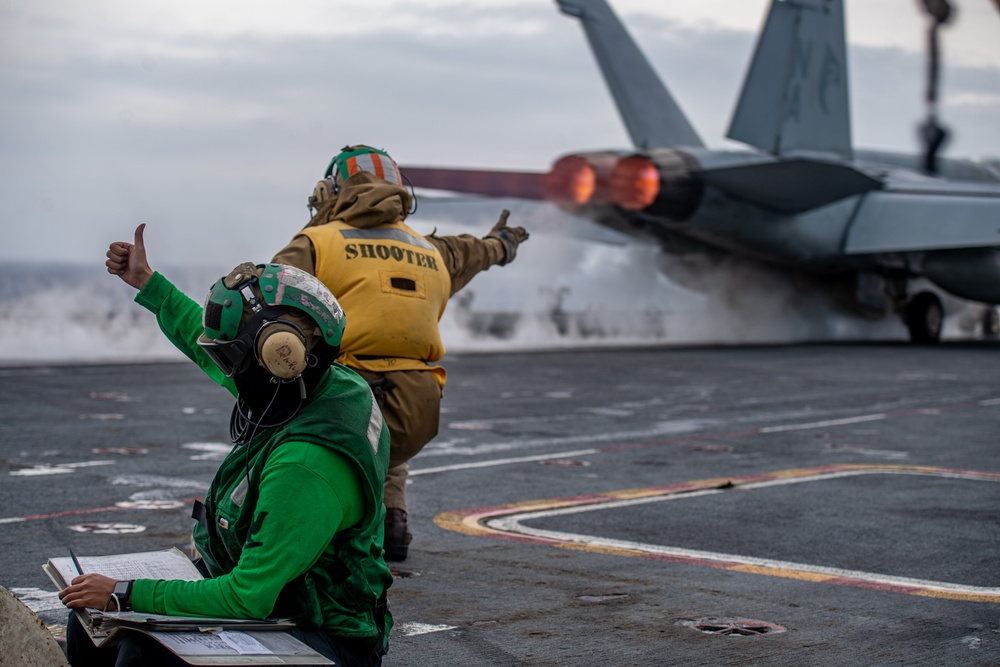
pixel 244 425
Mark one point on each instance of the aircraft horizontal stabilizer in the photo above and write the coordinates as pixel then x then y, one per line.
pixel 651 115
pixel 790 186
pixel 491 183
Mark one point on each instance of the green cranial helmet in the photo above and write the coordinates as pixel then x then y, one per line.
pixel 252 297
pixel 284 285
pixel 353 159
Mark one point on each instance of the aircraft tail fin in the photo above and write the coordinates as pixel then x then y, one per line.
pixel 651 116
pixel 795 95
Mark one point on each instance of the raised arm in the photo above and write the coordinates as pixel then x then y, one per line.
pixel 465 255
pixel 177 314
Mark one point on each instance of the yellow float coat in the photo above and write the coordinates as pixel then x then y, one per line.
pixel 394 284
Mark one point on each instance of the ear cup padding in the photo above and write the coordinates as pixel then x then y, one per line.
pixel 282 351
pixel 324 191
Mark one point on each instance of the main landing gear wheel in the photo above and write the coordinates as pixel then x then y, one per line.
pixel 991 323
pixel 925 318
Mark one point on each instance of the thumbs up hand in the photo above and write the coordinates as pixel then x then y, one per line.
pixel 128 260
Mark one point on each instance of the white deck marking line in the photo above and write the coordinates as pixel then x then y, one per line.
pixel 56 468
pixel 212 451
pixel 414 629
pixel 823 424
pixel 77 512
pixel 500 462
pixel 605 437
pixel 674 429
pixel 511 523
pixel 597 437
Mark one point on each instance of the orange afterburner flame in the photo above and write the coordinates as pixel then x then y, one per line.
pixel 571 181
pixel 635 183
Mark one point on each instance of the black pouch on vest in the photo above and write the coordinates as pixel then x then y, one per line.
pixel 201 513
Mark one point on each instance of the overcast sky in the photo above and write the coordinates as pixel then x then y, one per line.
pixel 211 121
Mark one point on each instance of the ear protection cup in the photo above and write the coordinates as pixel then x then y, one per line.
pixel 276 315
pixel 281 349
pixel 324 191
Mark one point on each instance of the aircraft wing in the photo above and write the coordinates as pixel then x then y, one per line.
pixel 933 216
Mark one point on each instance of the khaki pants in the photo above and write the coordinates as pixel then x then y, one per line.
pixel 412 412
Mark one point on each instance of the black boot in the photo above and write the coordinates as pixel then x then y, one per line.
pixel 397 535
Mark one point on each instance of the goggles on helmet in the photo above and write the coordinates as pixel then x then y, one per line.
pixel 232 356
pixel 235 356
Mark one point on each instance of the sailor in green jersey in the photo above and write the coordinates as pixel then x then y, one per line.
pixel 291 526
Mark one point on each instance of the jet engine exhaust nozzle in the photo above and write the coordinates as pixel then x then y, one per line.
pixel 658 182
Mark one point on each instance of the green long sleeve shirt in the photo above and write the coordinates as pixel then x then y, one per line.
pixel 295 475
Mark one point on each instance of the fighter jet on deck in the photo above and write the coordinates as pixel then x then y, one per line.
pixel 864 223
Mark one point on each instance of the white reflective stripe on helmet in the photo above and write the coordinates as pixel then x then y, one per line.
pixel 374 163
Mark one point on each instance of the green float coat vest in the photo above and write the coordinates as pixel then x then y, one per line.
pixel 344 591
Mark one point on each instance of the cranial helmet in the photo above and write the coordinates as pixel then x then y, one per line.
pixel 353 159
pixel 272 313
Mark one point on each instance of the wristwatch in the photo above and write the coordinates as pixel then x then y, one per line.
pixel 123 593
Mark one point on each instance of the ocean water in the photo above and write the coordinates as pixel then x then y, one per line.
pixel 76 313
pixel 65 313
pixel 570 286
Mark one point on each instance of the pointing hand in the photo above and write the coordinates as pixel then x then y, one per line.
pixel 510 237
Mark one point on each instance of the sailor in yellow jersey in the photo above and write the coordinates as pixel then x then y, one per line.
pixel 394 284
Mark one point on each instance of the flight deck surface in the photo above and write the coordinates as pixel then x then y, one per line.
pixel 810 505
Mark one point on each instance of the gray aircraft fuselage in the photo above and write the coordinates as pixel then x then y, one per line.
pixel 801 198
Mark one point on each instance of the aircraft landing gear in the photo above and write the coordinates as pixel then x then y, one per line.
pixel 925 318
pixel 991 323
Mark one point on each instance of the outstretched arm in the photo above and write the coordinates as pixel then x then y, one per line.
pixel 465 255
pixel 177 314
pixel 510 237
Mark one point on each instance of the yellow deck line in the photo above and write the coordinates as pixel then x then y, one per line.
pixel 474 522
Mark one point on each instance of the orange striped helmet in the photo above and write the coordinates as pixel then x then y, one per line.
pixel 353 159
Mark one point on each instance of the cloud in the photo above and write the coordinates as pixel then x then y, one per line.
pixel 211 121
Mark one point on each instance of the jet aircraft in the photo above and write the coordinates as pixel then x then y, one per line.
pixel 866 224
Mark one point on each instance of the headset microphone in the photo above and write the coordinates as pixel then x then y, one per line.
pixel 324 191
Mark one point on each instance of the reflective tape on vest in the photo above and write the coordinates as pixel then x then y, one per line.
pixel 386 234
pixel 375 425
